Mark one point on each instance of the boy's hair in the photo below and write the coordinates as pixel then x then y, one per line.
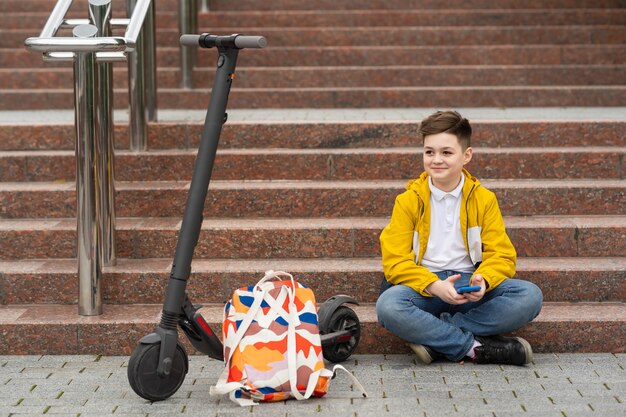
pixel 448 121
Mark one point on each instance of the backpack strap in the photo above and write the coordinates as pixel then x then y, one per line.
pixel 292 355
pixel 276 275
pixel 222 386
pixel 352 377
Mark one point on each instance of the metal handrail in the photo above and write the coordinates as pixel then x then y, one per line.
pixel 188 11
pixel 63 44
pixel 188 23
pixel 48 42
pixel 115 22
pixel 142 97
pixel 92 49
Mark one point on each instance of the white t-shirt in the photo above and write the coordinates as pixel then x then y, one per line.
pixel 446 249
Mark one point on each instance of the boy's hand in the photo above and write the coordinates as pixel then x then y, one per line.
pixel 476 295
pixel 444 289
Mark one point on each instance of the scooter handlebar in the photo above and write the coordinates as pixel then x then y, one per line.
pixel 190 40
pixel 207 40
pixel 256 42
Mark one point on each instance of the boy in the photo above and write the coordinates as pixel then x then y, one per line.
pixel 447 231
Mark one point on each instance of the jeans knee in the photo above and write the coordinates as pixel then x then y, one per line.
pixel 534 298
pixel 385 308
pixel 531 297
pixel 393 305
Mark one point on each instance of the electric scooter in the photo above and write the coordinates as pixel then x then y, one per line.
pixel 159 364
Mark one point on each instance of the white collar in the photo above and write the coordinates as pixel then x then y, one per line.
pixel 439 194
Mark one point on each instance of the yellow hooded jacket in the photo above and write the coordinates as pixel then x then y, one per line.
pixel 404 240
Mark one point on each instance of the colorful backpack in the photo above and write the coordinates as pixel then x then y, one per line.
pixel 272 346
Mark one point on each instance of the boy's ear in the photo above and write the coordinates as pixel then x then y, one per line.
pixel 467 156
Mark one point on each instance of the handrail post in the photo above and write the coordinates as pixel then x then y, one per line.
pixel 188 23
pixel 138 124
pixel 100 17
pixel 87 129
pixel 149 29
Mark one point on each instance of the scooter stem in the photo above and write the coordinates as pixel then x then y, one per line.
pixel 192 218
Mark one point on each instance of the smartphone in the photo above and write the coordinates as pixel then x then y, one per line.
pixel 468 288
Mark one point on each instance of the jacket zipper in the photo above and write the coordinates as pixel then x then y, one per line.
pixel 467 225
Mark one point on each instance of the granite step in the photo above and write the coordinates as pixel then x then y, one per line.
pixel 533 236
pixel 136 281
pixel 334 97
pixel 405 36
pixel 344 76
pixel 412 4
pixel 321 164
pixel 579 54
pixel 371 17
pixel 46 6
pixel 398 36
pixel 276 199
pixel 36 135
pixel 77 7
pixel 404 17
pixel 59 330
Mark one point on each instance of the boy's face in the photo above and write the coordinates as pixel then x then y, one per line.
pixel 444 160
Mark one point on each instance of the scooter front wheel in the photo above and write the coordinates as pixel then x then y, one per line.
pixel 142 372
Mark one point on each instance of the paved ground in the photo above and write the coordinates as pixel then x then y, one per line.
pixel 554 385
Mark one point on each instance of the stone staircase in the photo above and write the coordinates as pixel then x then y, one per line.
pixel 309 195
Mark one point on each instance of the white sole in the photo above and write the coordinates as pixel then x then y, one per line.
pixel 527 349
pixel 421 353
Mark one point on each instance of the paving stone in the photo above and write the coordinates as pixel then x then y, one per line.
pixel 31 410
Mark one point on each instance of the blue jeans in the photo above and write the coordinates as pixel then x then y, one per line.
pixel 450 329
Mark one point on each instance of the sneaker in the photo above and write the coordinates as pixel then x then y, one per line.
pixel 503 350
pixel 425 354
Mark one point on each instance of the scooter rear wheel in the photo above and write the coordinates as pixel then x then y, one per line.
pixel 344 318
pixel 142 372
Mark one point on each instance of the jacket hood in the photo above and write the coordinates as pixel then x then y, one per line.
pixel 420 184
